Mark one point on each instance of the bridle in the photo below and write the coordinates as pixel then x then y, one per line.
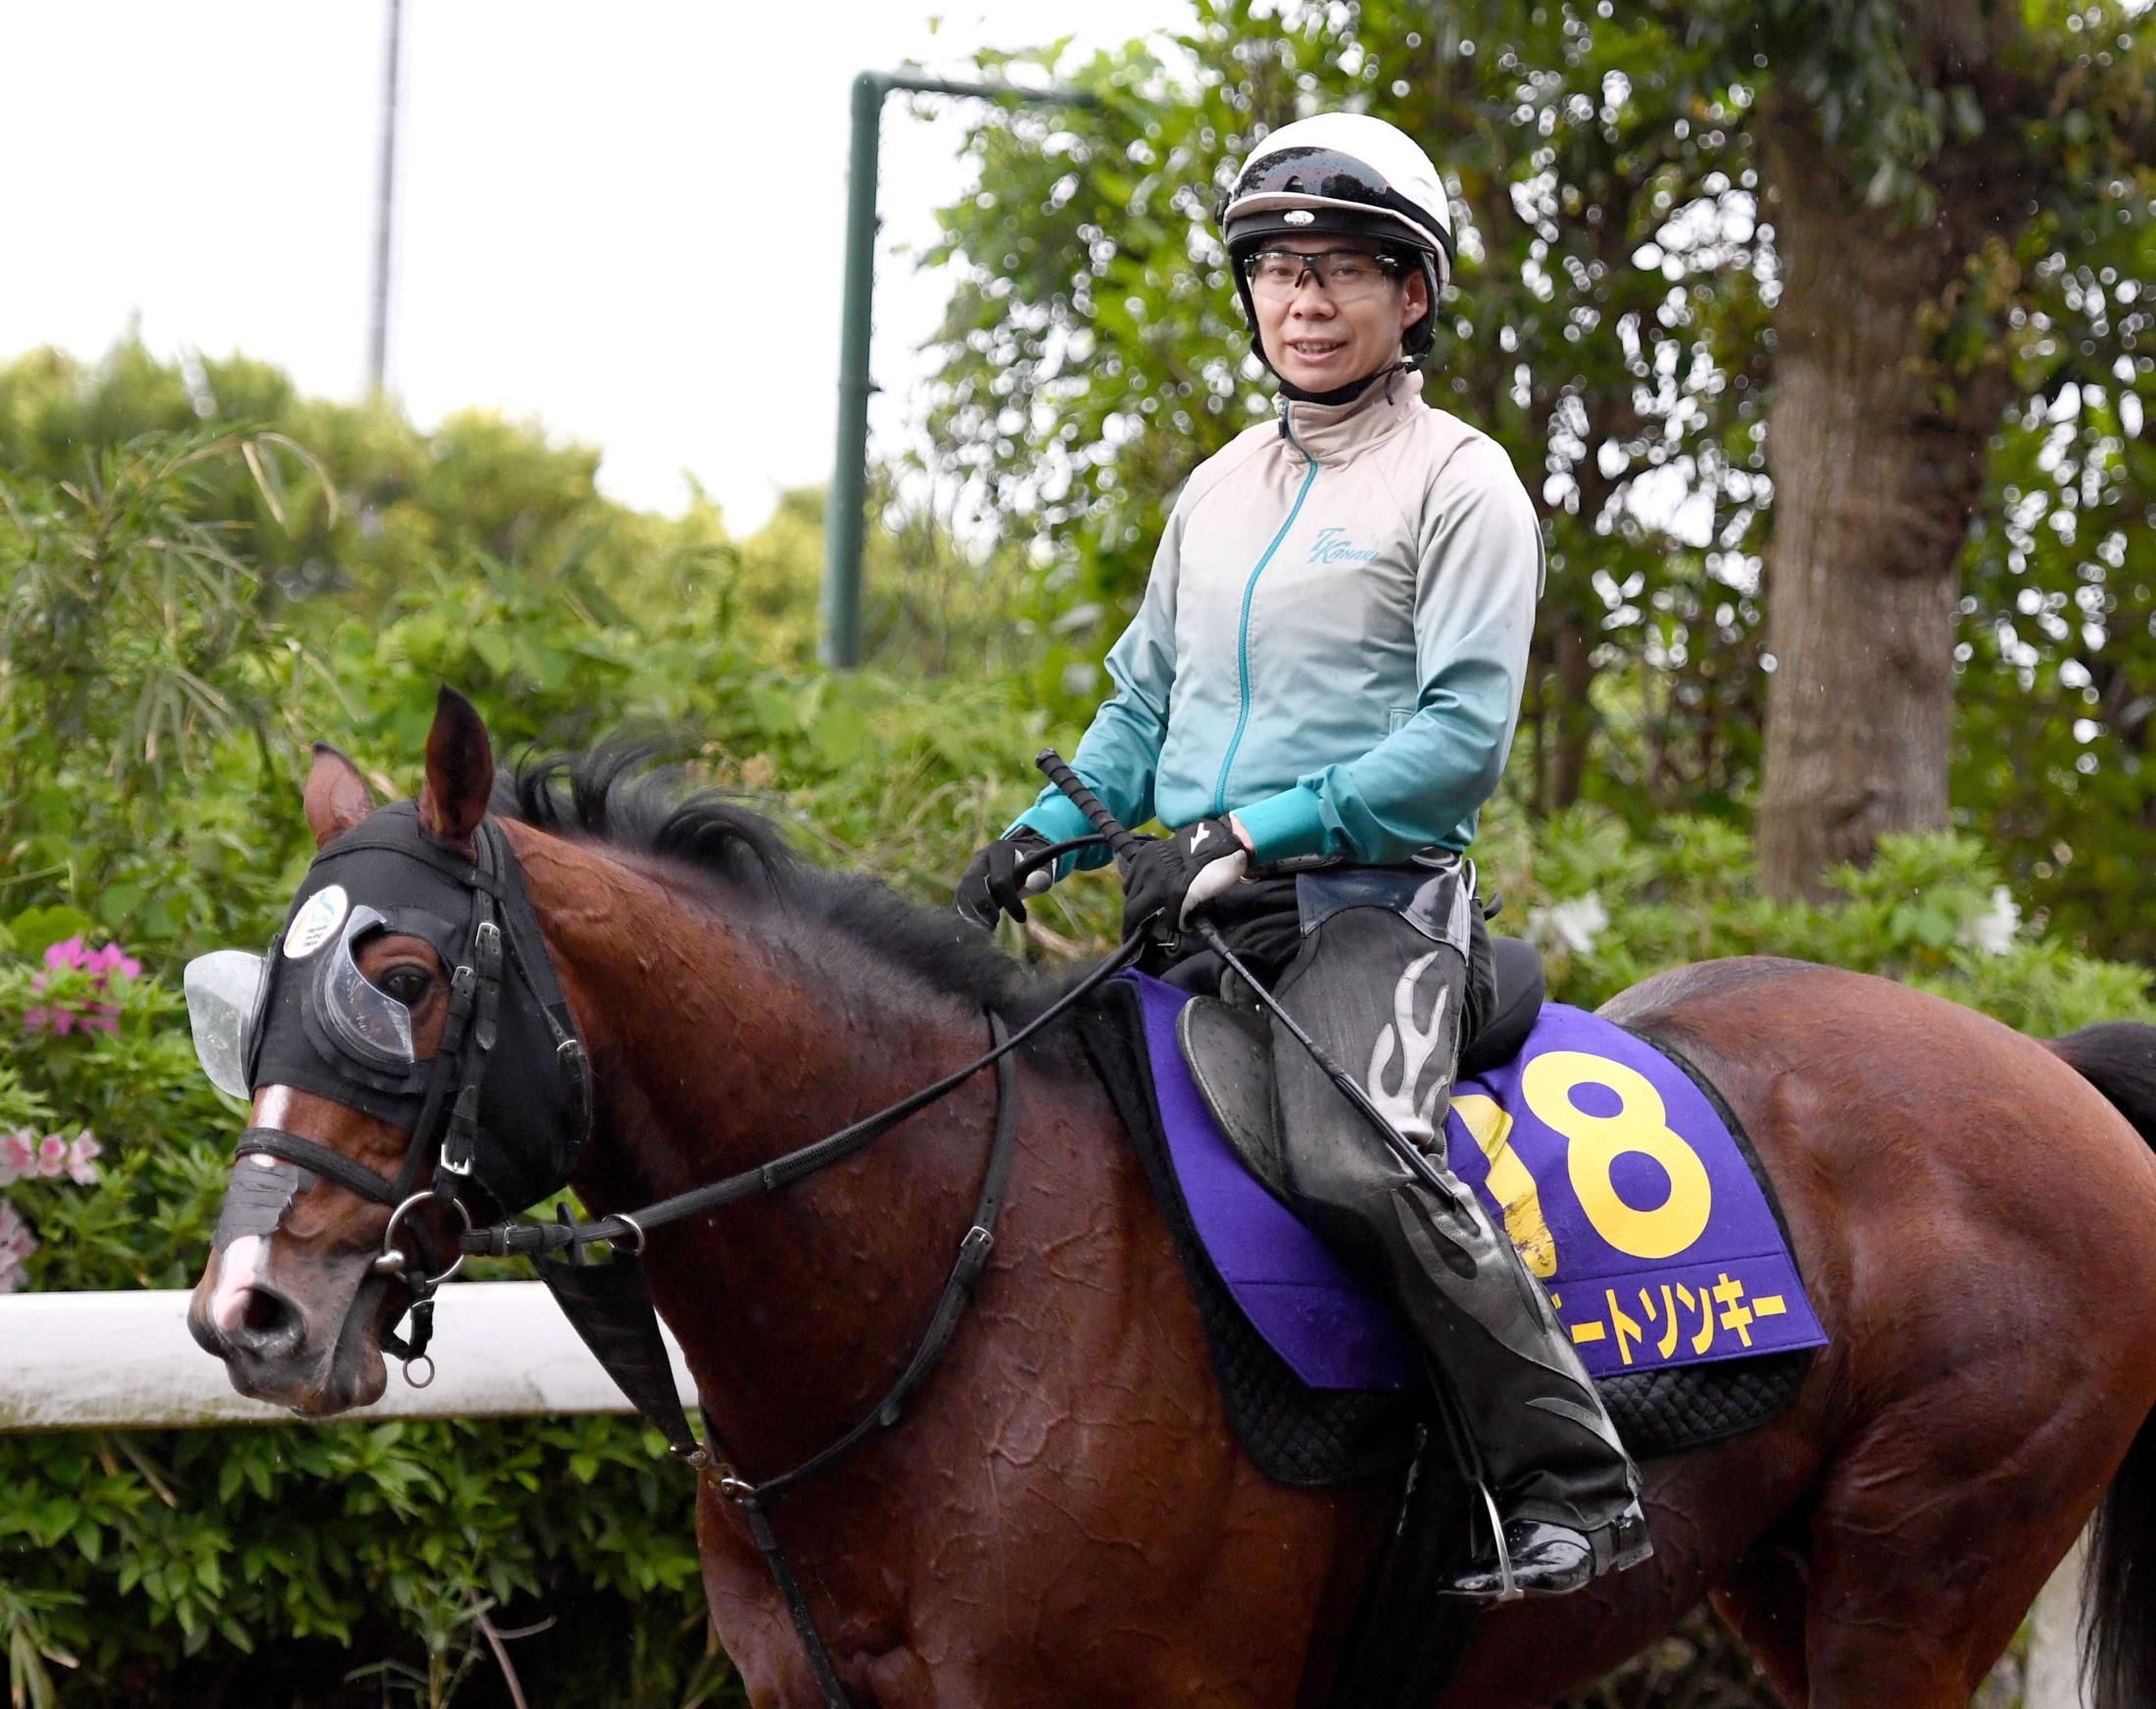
pixel 610 1305
pixel 499 940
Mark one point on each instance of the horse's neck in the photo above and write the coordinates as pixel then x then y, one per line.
pixel 716 1048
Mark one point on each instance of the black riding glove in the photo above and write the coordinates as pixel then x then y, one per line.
pixel 1169 876
pixel 991 884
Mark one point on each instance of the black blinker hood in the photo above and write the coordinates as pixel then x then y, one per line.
pixel 535 1098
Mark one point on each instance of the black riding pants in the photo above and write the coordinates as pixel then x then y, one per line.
pixel 1387 1002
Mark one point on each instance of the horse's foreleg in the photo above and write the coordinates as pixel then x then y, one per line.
pixel 1763 1598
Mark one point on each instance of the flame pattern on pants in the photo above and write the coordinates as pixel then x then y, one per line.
pixel 1372 987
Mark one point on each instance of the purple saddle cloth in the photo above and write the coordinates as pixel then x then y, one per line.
pixel 1611 1170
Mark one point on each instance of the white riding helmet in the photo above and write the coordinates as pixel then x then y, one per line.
pixel 1343 172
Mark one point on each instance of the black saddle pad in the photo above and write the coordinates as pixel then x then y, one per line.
pixel 1307 1437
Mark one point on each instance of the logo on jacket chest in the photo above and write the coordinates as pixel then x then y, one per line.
pixel 1333 546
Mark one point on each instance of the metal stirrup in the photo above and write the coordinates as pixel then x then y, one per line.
pixel 1508 1588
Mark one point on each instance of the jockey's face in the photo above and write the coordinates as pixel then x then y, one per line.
pixel 1319 340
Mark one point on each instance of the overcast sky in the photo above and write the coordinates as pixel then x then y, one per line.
pixel 623 221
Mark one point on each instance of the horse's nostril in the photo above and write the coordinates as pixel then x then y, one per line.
pixel 268 1324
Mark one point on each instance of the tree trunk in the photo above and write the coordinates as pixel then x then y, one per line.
pixel 1570 721
pixel 1878 462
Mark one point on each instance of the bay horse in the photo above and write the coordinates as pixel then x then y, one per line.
pixel 1062 1515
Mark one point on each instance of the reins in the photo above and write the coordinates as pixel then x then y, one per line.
pixel 651 1388
pixel 501 1239
pixel 957 1293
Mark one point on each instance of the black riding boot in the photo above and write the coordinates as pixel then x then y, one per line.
pixel 1384 999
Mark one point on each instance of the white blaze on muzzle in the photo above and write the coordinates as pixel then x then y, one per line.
pixel 250 1216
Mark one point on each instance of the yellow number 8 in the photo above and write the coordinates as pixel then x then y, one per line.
pixel 1596 1142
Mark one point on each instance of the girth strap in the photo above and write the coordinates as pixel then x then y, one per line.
pixel 958 1293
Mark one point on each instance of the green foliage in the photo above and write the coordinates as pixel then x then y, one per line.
pixel 929 606
pixel 135 650
pixel 1609 331
pixel 1892 90
pixel 375 508
pixel 2059 634
pixel 1932 911
pixel 348 1542
pixel 384 503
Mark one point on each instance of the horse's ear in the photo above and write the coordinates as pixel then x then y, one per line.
pixel 337 797
pixel 460 772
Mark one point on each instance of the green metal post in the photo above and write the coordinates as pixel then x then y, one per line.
pixel 846 522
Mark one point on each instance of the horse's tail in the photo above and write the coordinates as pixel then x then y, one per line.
pixel 2119 1598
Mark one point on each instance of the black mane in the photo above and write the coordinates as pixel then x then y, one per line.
pixel 615 793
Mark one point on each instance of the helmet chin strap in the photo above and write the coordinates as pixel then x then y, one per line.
pixel 1345 394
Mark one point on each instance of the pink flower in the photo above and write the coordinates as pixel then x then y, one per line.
pixel 24 1156
pixel 109 961
pixel 18 1155
pixel 57 1156
pixel 82 1152
pixel 99 1014
pixel 16 1243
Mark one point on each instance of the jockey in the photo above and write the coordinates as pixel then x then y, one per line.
pixel 1318 693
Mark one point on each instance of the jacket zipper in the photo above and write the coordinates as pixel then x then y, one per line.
pixel 1243 631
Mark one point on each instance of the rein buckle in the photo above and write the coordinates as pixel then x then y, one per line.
pixel 973 1250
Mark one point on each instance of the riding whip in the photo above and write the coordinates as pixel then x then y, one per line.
pixel 1122 842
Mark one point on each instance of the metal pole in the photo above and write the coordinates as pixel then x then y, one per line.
pixel 378 343
pixel 844 522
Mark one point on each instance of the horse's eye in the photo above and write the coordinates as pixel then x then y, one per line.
pixel 408 984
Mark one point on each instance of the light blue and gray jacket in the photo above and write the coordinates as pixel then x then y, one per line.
pixel 1332 643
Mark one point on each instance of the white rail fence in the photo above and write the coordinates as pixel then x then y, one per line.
pixel 502 1350
pixel 124 1361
